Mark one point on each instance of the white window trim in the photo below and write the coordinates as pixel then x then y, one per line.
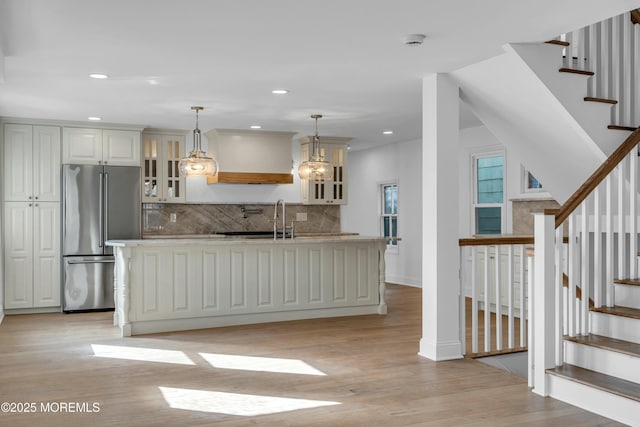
pixel 474 187
pixel 391 249
pixel 524 179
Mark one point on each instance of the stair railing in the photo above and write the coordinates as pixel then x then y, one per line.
pixel 610 49
pixel 601 222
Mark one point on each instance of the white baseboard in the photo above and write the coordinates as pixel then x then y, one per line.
pixel 440 351
pixel 403 280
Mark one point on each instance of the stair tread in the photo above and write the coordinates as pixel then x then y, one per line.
pixel 607 343
pixel 558 42
pixel 618 310
pixel 603 100
pixel 632 282
pixel 574 71
pixel 616 127
pixel 604 382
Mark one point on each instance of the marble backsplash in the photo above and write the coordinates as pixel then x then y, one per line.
pixel 522 213
pixel 217 218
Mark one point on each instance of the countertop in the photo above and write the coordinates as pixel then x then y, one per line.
pixel 218 239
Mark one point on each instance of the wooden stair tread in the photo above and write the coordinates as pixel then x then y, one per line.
pixel 633 313
pixel 607 343
pixel 607 383
pixel 574 71
pixel 558 42
pixel 616 127
pixel 631 282
pixel 603 100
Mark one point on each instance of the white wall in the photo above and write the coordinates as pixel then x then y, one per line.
pixel 198 191
pixel 367 170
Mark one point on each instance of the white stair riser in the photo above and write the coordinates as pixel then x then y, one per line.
pixel 622 328
pixel 609 405
pixel 627 296
pixel 604 361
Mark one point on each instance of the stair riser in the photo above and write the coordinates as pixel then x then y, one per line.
pixel 605 361
pixel 591 399
pixel 627 296
pixel 622 328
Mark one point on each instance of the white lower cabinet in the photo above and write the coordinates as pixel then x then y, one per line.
pixel 31 255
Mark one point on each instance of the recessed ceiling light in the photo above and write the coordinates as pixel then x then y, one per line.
pixel 279 91
pixel 94 118
pixel 388 132
pixel 348 147
pixel 99 76
pixel 256 127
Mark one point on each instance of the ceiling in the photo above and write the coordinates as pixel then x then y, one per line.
pixel 344 59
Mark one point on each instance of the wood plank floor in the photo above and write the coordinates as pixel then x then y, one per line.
pixel 372 375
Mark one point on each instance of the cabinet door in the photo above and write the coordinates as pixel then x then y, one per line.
pixel 18 255
pixel 81 146
pixel 337 156
pixel 18 153
pixel 46 163
pixel 173 185
pixel 151 168
pixel 121 147
pixel 46 254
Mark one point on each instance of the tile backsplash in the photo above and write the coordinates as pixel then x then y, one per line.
pixel 165 219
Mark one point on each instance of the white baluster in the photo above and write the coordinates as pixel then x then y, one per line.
pixel 585 276
pixel 573 275
pixel 621 273
pixel 597 246
pixel 609 266
pixel 510 285
pixel 583 48
pixel 594 61
pixel 498 299
pixel 474 303
pixel 616 69
pixel 604 77
pixel 635 89
pixel 633 214
pixel 559 290
pixel 626 71
pixel 528 318
pixel 523 292
pixel 487 310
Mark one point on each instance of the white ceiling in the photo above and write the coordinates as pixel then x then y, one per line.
pixel 341 58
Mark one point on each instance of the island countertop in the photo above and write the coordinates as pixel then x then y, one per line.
pixel 219 239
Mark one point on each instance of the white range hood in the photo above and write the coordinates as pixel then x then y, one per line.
pixel 251 156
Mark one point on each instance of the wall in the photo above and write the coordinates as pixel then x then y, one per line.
pixel 367 170
pixel 198 191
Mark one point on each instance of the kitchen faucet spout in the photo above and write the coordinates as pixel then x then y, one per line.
pixel 275 219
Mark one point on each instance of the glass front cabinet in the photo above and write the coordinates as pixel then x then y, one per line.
pixel 325 192
pixel 161 153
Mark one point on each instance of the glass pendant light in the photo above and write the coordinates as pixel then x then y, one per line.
pixel 316 167
pixel 197 163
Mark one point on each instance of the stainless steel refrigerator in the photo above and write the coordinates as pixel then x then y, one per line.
pixel 99 203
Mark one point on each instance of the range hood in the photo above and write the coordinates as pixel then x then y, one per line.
pixel 251 156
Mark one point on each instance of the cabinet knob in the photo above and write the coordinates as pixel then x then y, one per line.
pixel 30 204
pixel 30 197
pixel 36 197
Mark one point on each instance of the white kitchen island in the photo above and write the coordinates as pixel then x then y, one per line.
pixel 179 284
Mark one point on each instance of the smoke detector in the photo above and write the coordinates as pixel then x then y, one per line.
pixel 414 39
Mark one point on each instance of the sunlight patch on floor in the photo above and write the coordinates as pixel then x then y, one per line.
pixel 143 354
pixel 247 405
pixel 260 364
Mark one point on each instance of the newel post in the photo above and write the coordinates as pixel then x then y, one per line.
pixel 543 315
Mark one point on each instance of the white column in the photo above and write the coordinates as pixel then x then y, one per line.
pixel 544 328
pixel 440 254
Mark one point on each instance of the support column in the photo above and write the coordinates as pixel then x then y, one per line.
pixel 440 253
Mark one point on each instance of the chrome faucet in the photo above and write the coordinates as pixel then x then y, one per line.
pixel 275 219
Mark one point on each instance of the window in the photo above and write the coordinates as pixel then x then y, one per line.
pixel 390 213
pixel 489 193
pixel 530 182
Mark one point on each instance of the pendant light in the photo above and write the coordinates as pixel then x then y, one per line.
pixel 197 163
pixel 316 167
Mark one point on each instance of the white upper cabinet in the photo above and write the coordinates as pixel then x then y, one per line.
pixel 326 192
pixel 98 146
pixel 31 163
pixel 161 153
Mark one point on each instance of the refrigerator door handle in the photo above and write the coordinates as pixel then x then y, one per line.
pixel 106 207
pixel 92 262
pixel 101 209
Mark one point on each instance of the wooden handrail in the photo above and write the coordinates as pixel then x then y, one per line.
pixel 597 177
pixel 635 16
pixel 496 240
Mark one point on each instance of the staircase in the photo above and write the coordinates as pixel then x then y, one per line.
pixel 577 97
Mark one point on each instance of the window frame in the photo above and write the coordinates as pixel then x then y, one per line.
pixel 474 188
pixel 524 180
pixel 392 246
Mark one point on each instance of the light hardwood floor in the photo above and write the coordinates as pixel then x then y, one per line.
pixel 372 375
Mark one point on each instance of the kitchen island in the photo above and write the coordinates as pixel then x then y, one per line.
pixel 176 284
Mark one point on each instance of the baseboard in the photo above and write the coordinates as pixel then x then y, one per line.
pixel 403 280
pixel 1 317
pixel 448 350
